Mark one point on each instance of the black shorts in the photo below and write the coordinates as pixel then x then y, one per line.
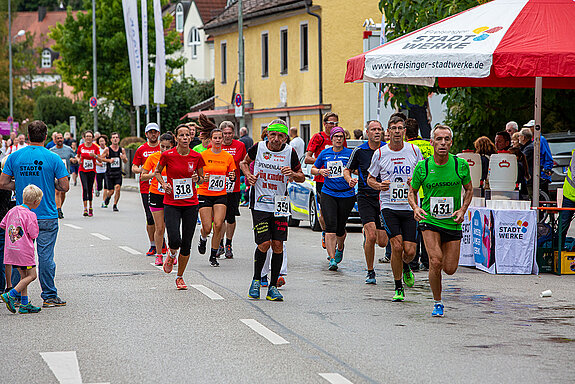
pixel 24 267
pixel 210 201
pixel 446 235
pixel 368 208
pixel 335 212
pixel 399 222
pixel 156 200
pixel 318 188
pixel 146 204
pixel 268 227
pixel 233 209
pixel 113 180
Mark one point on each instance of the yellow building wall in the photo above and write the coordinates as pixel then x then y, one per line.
pixel 342 31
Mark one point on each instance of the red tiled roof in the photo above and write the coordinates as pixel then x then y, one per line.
pixel 209 9
pixel 28 21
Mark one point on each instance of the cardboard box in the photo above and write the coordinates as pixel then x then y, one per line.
pixel 567 263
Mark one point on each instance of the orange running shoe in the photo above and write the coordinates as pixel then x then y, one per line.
pixel 281 281
pixel 180 284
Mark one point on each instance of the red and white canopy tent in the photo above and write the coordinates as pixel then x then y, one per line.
pixel 503 43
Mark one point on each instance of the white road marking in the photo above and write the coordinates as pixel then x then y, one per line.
pixel 64 365
pixel 335 378
pixel 271 336
pixel 129 250
pixel 206 291
pixel 73 226
pixel 100 236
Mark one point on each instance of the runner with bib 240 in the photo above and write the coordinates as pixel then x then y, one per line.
pixel 337 196
pixel 441 214
pixel 275 164
pixel 394 164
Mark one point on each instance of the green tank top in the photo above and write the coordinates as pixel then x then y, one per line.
pixel 200 148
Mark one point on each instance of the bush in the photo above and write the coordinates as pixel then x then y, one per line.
pixel 54 110
pixel 131 142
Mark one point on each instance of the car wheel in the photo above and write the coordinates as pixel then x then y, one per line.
pixel 313 218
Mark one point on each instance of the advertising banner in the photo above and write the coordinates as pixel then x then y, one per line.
pixel 466 255
pixel 160 73
pixel 515 234
pixel 130 8
pixel 5 127
pixel 481 229
pixel 145 77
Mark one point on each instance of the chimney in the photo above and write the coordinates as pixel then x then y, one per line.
pixel 41 13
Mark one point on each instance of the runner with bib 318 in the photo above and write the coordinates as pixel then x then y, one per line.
pixel 441 177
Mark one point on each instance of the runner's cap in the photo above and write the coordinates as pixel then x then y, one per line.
pixel 529 124
pixel 335 130
pixel 151 127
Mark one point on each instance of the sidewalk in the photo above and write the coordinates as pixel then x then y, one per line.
pixel 130 185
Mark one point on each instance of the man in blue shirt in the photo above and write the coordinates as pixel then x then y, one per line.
pixel 36 165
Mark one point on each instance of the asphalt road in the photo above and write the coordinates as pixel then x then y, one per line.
pixel 126 323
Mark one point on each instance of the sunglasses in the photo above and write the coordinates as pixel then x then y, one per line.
pixel 332 122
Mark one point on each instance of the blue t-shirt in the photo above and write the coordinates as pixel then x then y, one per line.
pixel 37 165
pixel 360 160
pixel 546 158
pixel 336 186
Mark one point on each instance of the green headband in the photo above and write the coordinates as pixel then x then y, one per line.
pixel 277 127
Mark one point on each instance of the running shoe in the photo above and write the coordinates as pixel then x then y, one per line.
pixel 214 262
pixel 254 292
pixel 60 214
pixel 408 278
pixel 53 302
pixel 164 248
pixel 221 251
pixel 370 278
pixel 104 205
pixel 332 265
pixel 338 256
pixel 180 284
pixel 9 300
pixel 264 281
pixel 175 261
pixel 229 253
pixel 151 251
pixel 202 246
pixel 384 260
pixel 86 212
pixel 29 308
pixel 423 267
pixel 274 294
pixel 437 310
pixel 159 260
pixel 281 281
pixel 169 264
pixel 115 208
pixel 323 240
pixel 90 212
pixel 399 295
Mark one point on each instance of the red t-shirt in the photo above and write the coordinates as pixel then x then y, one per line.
pixel 87 162
pixel 238 151
pixel 318 143
pixel 179 170
pixel 142 154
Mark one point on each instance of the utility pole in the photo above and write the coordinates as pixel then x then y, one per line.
pixel 10 60
pixel 241 59
pixel 94 70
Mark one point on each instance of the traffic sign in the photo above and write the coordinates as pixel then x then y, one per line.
pixel 93 102
pixel 10 119
pixel 238 100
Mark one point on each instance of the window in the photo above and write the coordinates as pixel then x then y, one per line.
pixel 194 41
pixel 304 131
pixel 179 17
pixel 303 47
pixel 265 55
pixel 284 51
pixel 46 59
pixel 224 62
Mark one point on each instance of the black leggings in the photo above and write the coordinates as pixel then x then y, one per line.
pixel 188 217
pixel 335 212
pixel 87 180
pixel 100 177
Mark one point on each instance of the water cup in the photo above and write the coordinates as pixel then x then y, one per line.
pixel 546 293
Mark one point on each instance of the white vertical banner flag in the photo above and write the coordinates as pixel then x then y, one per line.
pixel 145 77
pixel 160 73
pixel 130 8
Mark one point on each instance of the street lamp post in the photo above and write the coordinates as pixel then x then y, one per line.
pixel 94 70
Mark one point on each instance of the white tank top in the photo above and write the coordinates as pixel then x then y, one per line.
pixel 271 182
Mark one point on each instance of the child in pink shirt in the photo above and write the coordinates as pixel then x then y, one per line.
pixel 21 226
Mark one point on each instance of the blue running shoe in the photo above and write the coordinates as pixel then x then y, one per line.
pixel 437 310
pixel 255 289
pixel 338 256
pixel 9 300
pixel 274 294
pixel 264 281
pixel 332 265
pixel 370 278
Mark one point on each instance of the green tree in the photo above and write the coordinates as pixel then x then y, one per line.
pixel 73 40
pixel 51 5
pixel 54 110
pixel 180 96
pixel 471 112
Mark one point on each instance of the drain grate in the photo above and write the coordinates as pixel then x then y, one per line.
pixel 113 274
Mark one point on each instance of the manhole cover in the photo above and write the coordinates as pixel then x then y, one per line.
pixel 113 274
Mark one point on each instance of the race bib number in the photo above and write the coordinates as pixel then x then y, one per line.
pixel 281 206
pixel 229 185
pixel 115 162
pixel 441 207
pixel 183 188
pixel 335 169
pixel 160 188
pixel 217 183
pixel 398 192
pixel 88 164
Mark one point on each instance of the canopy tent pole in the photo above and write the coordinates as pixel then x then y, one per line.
pixel 537 140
